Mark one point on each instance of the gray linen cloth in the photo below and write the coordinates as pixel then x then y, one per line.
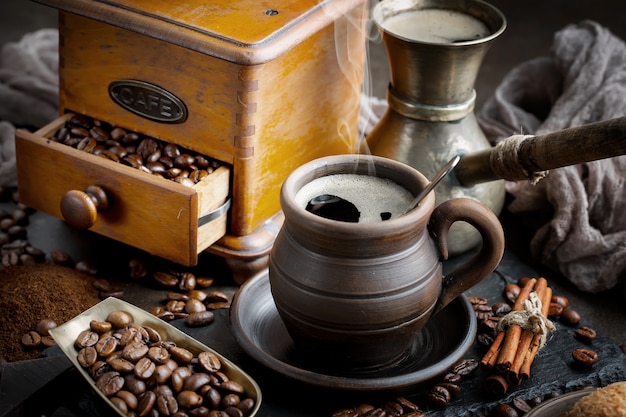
pixel 582 81
pixel 29 83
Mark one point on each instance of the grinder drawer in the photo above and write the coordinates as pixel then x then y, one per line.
pixel 155 214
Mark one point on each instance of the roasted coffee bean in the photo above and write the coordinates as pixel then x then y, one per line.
pixel 465 367
pixel 406 404
pixel 87 338
pixel 87 356
pixel 485 339
pixel 129 398
pixel 505 410
pixel 451 377
pixel 44 326
pixel 194 306
pixel 176 296
pixel 166 405
pixel 346 412
pixel 153 336
pixel 179 375
pixel 501 309
pixel 559 299
pixel 162 374
pixel 438 396
pixel 181 355
pixel 120 404
pixel 209 361
pixel 158 354
pixel 134 351
pixel 138 269
pixel 144 368
pixel 570 317
pixel 110 383
pixel 230 400
pixel 200 318
pixel 60 257
pixel 555 310
pixel 47 341
pixel 121 365
pixel 134 384
pixel 232 386
pixel 623 347
pixel 189 399
pixel 520 405
pixel 86 268
pixel 511 292
pixel 204 282
pixel 375 412
pixel 119 319
pixel 489 325
pixel 453 389
pixel 165 279
pixel 106 345
pixel 100 326
pixel 146 403
pixel 415 414
pixel 584 357
pixel 586 334
pixel 393 409
pixel 175 306
pixel 187 282
pixel 195 381
pixel 233 412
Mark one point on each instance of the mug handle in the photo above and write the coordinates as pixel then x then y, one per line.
pixel 484 262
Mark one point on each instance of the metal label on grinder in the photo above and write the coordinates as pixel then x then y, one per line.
pixel 148 100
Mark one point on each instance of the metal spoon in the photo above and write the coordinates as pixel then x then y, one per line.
pixel 436 180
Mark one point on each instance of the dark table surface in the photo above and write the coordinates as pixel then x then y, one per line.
pixel 24 383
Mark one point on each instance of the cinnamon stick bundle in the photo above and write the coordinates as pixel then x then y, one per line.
pixel 514 349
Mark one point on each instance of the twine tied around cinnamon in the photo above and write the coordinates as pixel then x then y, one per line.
pixel 530 318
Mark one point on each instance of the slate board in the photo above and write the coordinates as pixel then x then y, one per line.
pixel 551 371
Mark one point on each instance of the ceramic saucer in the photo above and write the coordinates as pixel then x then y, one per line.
pixel 259 330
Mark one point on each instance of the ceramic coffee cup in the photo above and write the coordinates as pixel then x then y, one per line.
pixel 355 294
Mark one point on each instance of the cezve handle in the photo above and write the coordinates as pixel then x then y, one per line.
pixel 527 157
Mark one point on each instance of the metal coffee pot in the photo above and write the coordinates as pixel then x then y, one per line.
pixel 431 97
pixel 430 117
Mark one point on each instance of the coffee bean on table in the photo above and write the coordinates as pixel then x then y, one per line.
pixel 584 357
pixel 438 396
pixel 585 334
pixel 505 410
pixel 570 317
pixel 200 318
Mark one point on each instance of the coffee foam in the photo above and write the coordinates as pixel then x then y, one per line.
pixel 436 26
pixel 371 195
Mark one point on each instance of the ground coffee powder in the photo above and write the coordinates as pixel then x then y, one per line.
pixel 29 294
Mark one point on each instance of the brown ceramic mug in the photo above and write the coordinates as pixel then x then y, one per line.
pixel 357 294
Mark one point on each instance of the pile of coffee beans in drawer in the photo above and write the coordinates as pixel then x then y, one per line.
pixel 143 374
pixel 150 155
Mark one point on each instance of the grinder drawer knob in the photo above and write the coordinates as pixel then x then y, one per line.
pixel 80 208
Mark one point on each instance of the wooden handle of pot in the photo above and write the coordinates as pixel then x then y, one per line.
pixel 484 262
pixel 521 158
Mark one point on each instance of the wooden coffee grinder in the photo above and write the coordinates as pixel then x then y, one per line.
pixel 261 90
